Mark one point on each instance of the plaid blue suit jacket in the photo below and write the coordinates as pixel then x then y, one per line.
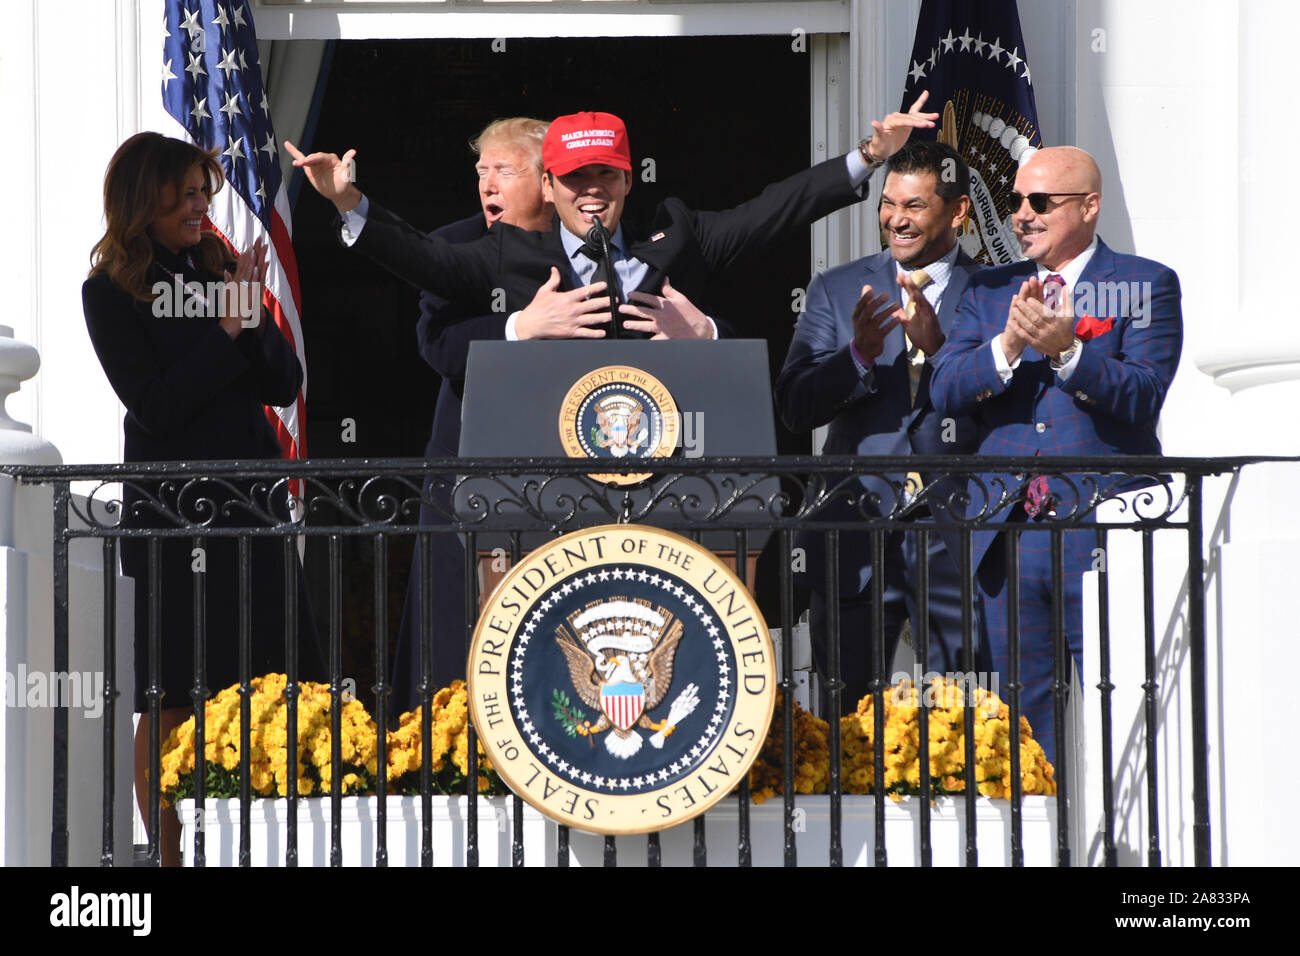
pixel 1110 404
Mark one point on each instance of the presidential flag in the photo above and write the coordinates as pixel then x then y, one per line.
pixel 971 57
pixel 212 87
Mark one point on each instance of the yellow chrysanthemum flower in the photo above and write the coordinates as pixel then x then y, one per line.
pixel 900 746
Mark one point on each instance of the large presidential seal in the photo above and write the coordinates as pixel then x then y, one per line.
pixel 621 679
pixel 618 412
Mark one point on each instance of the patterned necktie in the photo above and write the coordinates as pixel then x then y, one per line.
pixel 915 357
pixel 1053 292
pixel 915 363
pixel 1039 500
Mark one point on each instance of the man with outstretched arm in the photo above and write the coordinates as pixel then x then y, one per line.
pixel 508 164
pixel 588 164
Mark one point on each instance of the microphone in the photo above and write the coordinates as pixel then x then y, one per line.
pixel 598 239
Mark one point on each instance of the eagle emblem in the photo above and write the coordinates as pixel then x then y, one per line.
pixel 620 426
pixel 618 411
pixel 620 655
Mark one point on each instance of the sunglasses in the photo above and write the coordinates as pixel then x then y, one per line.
pixel 1038 201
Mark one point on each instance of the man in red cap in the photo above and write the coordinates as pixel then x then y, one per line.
pixel 547 281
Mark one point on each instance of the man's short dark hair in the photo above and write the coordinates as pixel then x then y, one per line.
pixel 951 177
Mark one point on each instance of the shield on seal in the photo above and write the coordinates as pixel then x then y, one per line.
pixel 622 703
pixel 618 434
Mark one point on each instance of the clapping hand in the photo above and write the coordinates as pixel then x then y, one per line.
pixel 250 267
pixel 1032 321
pixel 874 317
pixel 922 326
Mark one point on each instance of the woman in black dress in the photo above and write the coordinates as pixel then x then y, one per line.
pixel 194 367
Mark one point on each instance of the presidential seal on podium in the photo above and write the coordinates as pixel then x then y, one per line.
pixel 619 412
pixel 621 679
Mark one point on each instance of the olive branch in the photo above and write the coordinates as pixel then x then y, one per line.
pixel 567 714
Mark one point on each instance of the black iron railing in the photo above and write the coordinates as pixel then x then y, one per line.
pixel 737 501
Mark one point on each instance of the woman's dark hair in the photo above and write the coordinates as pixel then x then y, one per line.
pixel 145 175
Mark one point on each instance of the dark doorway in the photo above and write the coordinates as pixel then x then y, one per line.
pixel 719 116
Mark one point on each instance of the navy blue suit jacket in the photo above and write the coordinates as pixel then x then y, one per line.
pixel 871 415
pixel 1110 404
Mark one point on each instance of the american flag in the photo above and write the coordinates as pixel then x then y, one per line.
pixel 212 87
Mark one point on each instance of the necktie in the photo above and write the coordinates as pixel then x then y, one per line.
pixel 915 357
pixel 613 290
pixel 915 363
pixel 1053 292
pixel 1039 500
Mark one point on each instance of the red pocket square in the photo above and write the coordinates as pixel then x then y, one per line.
pixel 1088 328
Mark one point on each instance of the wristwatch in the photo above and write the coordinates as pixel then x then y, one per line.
pixel 865 153
pixel 1063 359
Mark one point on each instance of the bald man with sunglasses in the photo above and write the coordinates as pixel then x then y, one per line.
pixel 1070 352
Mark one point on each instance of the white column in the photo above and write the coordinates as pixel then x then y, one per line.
pixel 1255 356
pixel 1180 104
pixel 74 75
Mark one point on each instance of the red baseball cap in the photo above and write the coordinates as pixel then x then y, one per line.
pixel 584 139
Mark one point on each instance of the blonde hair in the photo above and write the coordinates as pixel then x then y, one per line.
pixel 521 130
pixel 146 174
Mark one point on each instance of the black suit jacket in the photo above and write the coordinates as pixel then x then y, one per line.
pixel 190 391
pixel 194 394
pixel 691 247
pixel 444 333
